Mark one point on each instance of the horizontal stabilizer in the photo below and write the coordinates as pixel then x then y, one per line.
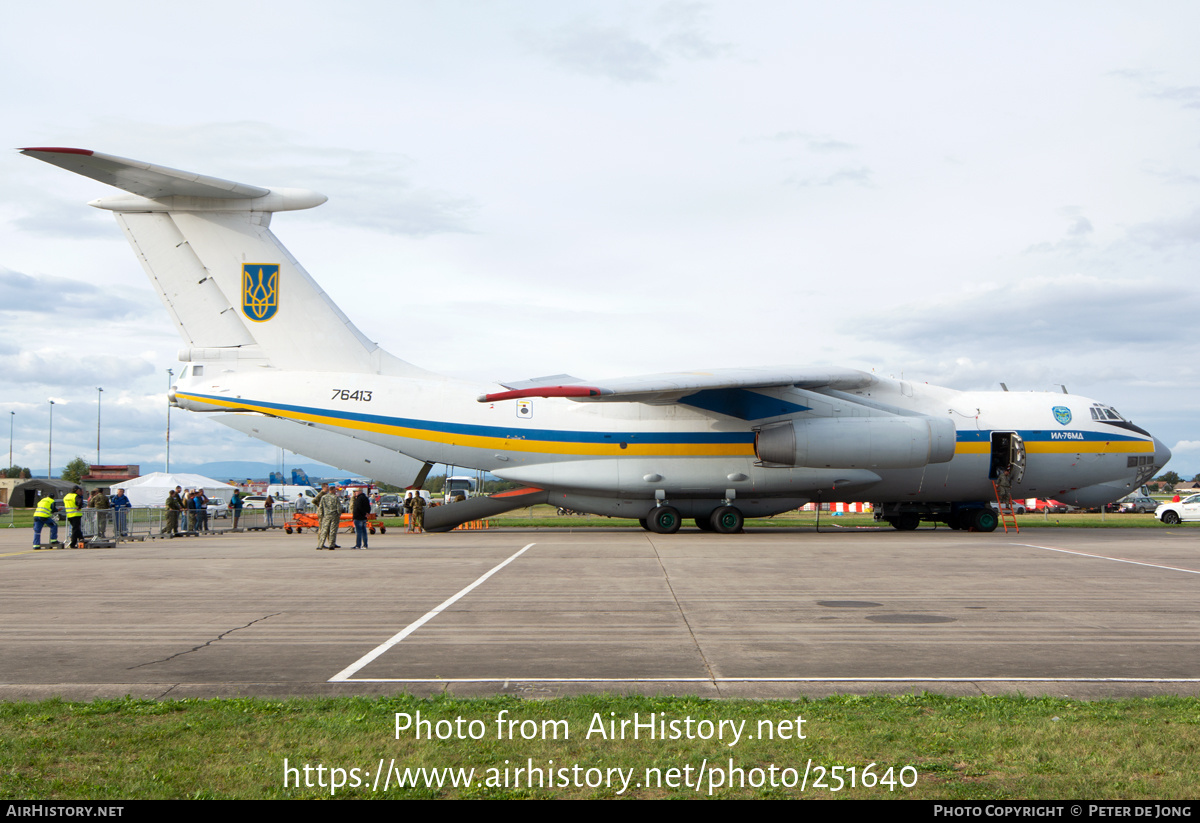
pixel 145 179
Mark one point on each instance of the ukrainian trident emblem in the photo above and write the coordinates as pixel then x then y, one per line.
pixel 260 291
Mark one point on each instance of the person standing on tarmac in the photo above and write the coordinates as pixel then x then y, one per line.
pixel 360 511
pixel 329 510
pixel 418 513
pixel 43 516
pixel 99 501
pixel 235 506
pixel 121 505
pixel 174 507
pixel 73 503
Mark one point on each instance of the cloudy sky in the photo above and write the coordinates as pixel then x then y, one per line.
pixel 960 193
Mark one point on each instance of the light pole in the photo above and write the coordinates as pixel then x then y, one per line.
pixel 99 391
pixel 12 415
pixel 170 376
pixel 50 447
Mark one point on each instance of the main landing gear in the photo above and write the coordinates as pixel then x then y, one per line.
pixel 905 517
pixel 663 520
pixel 667 520
pixel 726 520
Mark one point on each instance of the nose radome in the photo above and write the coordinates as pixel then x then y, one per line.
pixel 1161 453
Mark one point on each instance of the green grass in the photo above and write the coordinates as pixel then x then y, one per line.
pixel 546 517
pixel 957 748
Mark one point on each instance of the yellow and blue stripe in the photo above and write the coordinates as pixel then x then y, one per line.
pixel 1043 441
pixel 544 441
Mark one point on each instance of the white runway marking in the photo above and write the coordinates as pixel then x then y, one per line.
pixel 1113 559
pixel 507 680
pixel 349 671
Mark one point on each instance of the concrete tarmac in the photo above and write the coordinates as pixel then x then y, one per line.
pixel 770 613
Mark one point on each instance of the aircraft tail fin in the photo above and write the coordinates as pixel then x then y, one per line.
pixel 236 295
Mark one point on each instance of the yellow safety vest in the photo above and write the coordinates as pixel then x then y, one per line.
pixel 71 501
pixel 45 507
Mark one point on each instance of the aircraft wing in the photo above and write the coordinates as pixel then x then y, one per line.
pixel 671 386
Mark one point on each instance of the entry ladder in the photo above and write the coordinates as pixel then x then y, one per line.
pixel 1005 516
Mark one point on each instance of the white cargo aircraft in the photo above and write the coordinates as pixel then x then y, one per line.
pixel 271 355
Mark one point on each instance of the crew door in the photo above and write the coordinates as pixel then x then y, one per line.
pixel 1008 452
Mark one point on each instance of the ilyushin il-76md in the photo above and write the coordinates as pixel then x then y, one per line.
pixel 268 353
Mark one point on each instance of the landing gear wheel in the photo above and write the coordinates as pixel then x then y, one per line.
pixel 984 520
pixel 727 520
pixel 1171 518
pixel 704 525
pixel 642 522
pixel 664 520
pixel 905 522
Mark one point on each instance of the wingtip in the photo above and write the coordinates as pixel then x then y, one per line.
pixel 55 150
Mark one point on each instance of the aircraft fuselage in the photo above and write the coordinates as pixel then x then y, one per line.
pixel 626 457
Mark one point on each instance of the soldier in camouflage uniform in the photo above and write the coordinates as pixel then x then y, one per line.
pixel 418 513
pixel 329 509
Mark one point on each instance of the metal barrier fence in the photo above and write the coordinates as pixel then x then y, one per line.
pixel 143 522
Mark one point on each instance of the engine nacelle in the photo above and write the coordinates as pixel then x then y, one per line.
pixel 857 442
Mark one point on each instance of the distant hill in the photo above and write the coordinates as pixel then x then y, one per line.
pixel 241 470
pixel 238 471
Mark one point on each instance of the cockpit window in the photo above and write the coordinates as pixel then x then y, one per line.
pixel 1101 412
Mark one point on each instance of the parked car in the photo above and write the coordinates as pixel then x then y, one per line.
pixel 1029 505
pixel 391 504
pixel 1052 506
pixel 218 507
pixel 1018 507
pixel 1173 513
pixel 1137 503
pixel 254 501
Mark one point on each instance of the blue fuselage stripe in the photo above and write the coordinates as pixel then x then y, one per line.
pixel 544 435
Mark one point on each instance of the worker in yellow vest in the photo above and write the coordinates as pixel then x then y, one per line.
pixel 43 516
pixel 73 503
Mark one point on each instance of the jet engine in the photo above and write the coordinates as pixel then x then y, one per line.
pixel 856 442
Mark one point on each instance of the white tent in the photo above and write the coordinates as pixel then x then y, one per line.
pixel 152 489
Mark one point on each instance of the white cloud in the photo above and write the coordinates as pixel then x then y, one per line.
pixel 633 50
pixel 604 51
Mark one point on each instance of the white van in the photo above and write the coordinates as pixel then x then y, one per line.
pixel 289 494
pixel 424 494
